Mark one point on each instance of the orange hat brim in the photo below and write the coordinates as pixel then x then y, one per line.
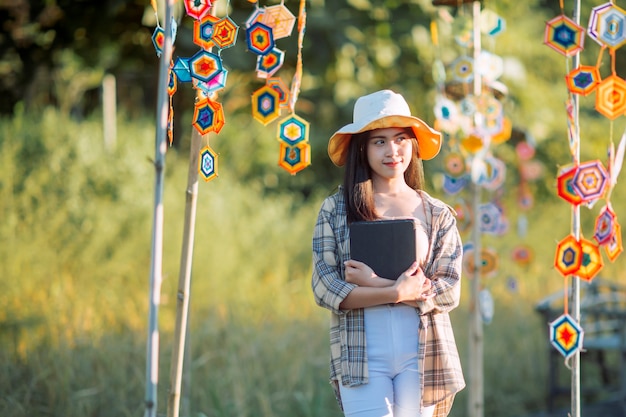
pixel 428 139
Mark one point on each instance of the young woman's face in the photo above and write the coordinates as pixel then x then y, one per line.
pixel 389 151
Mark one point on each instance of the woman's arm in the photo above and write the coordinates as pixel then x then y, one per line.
pixel 331 291
pixel 329 287
pixel 372 290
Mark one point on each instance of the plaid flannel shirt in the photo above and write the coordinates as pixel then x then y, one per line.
pixel 439 364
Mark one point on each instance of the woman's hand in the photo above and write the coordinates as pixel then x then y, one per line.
pixel 413 286
pixel 362 275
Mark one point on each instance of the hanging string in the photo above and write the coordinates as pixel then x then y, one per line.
pixel 170 114
pixel 572 128
pixel 565 297
pixel 617 161
pixel 297 77
pixel 200 95
pixel 599 61
pixel 156 14
pixel 567 362
pixel 612 53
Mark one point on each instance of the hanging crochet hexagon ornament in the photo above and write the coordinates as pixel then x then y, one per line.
pixel 467 106
pixel 591 180
pixel 281 88
pixel 207 163
pixel 472 143
pixel 591 261
pixel 569 256
pixel 203 31
pixel 265 105
pixel 564 35
pixel 260 38
pixel 208 116
pixel 566 335
pixel 583 80
pixel 454 185
pixel 614 247
pixel 268 64
pixel 504 132
pixel 280 19
pixel 158 40
pixel 522 254
pixel 462 69
pixel 491 218
pixel 205 65
pixel 492 111
pixel 564 184
pixel 454 164
pixel 197 8
pixel 496 173
pixel 605 223
pixel 214 84
pixel 172 83
pixel 611 27
pixel 488 261
pixel 489 65
pixel 592 26
pixel 181 69
pixel 524 150
pixel 464 215
pixel 491 23
pixel 446 114
pixel 611 97
pixel 255 16
pixel 225 33
pixel 294 159
pixel 293 130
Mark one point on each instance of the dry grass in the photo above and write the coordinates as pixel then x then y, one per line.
pixel 73 294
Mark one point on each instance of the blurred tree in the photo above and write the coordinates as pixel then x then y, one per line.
pixel 55 52
pixel 48 45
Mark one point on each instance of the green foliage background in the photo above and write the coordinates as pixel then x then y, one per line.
pixel 76 218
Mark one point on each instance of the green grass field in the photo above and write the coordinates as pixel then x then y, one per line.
pixel 75 261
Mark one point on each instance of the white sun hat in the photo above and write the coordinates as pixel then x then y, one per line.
pixel 383 109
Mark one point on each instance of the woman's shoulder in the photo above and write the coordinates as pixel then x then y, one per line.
pixel 334 201
pixel 437 205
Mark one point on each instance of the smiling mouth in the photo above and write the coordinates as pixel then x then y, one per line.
pixel 392 164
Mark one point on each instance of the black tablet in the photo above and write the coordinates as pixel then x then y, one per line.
pixel 386 246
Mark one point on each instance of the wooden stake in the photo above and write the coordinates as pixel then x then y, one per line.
pixel 475 384
pixel 184 277
pixel 152 360
pixel 109 112
pixel 575 286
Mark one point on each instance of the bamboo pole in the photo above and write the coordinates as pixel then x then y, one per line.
pixel 575 285
pixel 152 358
pixel 184 277
pixel 475 385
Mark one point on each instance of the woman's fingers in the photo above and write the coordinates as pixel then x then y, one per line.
pixel 357 271
pixel 351 263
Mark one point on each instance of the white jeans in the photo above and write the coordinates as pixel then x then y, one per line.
pixel 393 390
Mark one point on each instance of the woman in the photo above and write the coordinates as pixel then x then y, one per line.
pixel 392 348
